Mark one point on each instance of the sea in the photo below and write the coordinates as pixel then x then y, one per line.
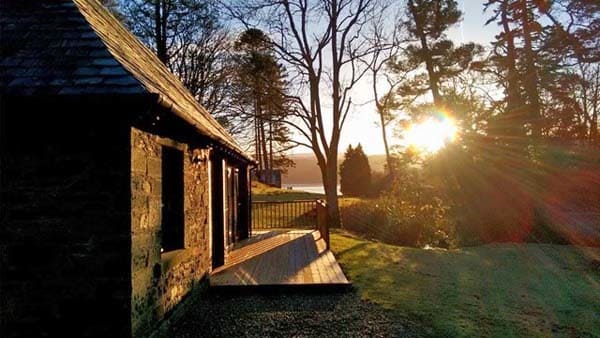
pixel 312 188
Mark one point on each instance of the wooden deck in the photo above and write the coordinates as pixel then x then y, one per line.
pixel 284 258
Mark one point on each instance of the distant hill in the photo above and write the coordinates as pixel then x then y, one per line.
pixel 307 171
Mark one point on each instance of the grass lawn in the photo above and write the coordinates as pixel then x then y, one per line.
pixel 492 290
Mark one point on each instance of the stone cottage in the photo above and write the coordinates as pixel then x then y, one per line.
pixel 118 192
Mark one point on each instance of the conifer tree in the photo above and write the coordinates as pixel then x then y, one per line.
pixel 355 172
pixel 261 97
pixel 431 56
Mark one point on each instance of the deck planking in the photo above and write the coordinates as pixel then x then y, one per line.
pixel 294 258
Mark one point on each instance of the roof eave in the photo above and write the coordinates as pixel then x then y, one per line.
pixel 169 105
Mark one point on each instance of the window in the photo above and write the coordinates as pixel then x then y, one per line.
pixel 172 199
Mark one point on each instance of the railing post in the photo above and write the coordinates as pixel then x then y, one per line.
pixel 322 224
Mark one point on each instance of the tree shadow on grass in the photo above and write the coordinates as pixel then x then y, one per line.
pixel 499 289
pixel 351 249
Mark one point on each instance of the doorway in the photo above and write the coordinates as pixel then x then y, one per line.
pixel 232 233
pixel 225 200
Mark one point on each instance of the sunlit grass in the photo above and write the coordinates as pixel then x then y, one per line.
pixel 493 290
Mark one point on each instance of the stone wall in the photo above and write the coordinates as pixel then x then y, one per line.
pixel 80 218
pixel 64 222
pixel 160 281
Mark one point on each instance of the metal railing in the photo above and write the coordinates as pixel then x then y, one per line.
pixel 284 214
pixel 308 214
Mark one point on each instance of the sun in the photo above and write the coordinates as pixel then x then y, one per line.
pixel 431 135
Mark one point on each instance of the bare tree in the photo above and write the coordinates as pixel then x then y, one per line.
pixel 189 37
pixel 204 66
pixel 322 44
pixel 386 36
pixel 167 25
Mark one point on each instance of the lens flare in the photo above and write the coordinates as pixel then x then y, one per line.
pixel 431 135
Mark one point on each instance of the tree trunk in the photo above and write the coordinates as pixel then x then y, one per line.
pixel 388 157
pixel 270 151
pixel 531 77
pixel 594 139
pixel 513 121
pixel 433 81
pixel 330 179
pixel 381 110
pixel 265 154
pixel 257 141
pixel 160 22
pixel 329 175
pixel 594 132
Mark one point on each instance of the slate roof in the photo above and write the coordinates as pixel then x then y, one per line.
pixel 77 47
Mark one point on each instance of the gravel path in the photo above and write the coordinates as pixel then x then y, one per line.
pixel 290 315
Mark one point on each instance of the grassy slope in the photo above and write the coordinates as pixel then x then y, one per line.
pixel 492 290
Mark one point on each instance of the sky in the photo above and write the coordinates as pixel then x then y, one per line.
pixel 361 126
